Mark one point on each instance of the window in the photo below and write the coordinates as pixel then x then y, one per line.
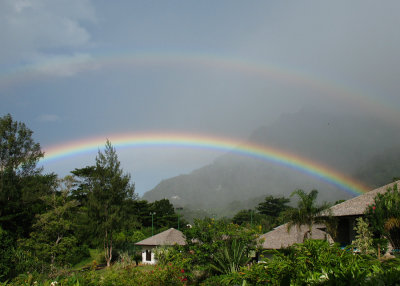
pixel 148 255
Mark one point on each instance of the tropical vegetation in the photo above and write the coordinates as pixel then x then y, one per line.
pixel 384 216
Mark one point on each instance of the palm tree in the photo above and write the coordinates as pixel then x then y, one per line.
pixel 308 212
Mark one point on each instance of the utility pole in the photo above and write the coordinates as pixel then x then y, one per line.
pixel 178 209
pixel 152 223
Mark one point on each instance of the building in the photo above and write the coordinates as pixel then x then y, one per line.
pixel 166 238
pixel 346 213
pixel 280 237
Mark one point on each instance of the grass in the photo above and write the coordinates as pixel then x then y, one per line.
pixel 95 255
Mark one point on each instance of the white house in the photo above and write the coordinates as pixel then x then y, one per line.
pixel 165 238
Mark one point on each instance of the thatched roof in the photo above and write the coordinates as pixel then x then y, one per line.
pixel 358 205
pixel 279 237
pixel 168 237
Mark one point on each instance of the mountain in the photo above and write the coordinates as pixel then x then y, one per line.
pixel 345 142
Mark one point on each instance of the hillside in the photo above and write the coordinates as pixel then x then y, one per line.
pixel 342 141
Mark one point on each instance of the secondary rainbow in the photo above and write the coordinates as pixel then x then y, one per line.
pixel 262 152
pixel 233 63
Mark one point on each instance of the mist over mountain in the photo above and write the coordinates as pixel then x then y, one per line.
pixel 354 144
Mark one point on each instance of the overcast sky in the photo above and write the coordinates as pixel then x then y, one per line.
pixel 77 69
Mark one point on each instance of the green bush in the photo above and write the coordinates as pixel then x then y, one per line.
pixel 387 274
pixel 235 278
pixel 313 262
pixel 116 276
pixel 384 216
pixel 6 255
pixel 229 258
pixel 208 239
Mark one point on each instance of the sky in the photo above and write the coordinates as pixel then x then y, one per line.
pixel 73 70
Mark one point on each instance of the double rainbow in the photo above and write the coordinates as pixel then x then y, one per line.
pixel 163 140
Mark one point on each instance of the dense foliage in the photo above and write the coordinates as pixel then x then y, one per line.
pixel 314 263
pixel 208 237
pixel 384 215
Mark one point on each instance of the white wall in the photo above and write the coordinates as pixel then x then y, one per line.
pixel 144 252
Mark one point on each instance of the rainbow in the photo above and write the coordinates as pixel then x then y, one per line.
pixel 68 66
pixel 163 140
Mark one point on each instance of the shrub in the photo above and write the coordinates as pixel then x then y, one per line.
pixel 313 262
pixel 208 238
pixel 229 258
pixel 364 241
pixel 384 215
pixel 6 254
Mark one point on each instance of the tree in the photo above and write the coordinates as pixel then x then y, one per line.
pixel 273 206
pixel 307 212
pixel 53 239
pixel 364 240
pixel 384 215
pixel 109 189
pixel 21 182
pixel 19 154
pixel 249 217
pixel 165 214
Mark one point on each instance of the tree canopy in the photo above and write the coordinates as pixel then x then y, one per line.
pixel 273 206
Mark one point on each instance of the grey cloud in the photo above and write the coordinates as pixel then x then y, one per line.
pixel 32 28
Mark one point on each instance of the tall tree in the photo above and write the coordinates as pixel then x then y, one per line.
pixel 307 212
pixel 110 188
pixel 21 182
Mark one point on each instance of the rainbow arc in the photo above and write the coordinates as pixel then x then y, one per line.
pixel 248 149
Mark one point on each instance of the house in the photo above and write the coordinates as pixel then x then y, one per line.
pixel 280 237
pixel 346 212
pixel 166 238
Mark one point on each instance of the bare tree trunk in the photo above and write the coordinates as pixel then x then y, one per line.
pixel 108 249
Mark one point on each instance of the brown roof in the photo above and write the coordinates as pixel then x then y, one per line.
pixel 168 237
pixel 358 205
pixel 279 237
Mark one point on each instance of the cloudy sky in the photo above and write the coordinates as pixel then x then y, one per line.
pixel 77 69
